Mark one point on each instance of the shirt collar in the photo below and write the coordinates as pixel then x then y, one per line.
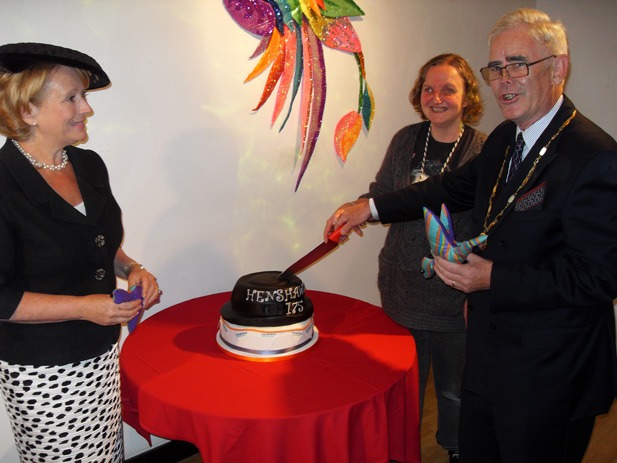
pixel 534 131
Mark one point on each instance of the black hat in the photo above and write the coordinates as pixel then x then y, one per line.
pixel 16 57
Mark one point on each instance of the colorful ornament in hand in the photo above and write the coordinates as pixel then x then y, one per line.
pixel 441 239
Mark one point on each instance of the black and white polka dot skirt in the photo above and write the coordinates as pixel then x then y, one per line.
pixel 65 413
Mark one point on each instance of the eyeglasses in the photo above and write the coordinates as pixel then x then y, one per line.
pixel 494 72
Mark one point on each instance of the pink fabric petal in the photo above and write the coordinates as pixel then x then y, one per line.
pixel 261 47
pixel 340 34
pixel 306 90
pixel 337 33
pixel 317 72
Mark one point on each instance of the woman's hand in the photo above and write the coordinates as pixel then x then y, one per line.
pixel 100 309
pixel 136 275
pixel 149 286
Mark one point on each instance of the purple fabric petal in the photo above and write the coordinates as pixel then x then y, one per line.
pixel 255 16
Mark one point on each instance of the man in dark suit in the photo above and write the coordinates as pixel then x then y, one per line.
pixel 541 361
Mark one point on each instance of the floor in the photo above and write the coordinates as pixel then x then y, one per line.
pixel 602 448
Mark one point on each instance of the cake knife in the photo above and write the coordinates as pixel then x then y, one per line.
pixel 314 255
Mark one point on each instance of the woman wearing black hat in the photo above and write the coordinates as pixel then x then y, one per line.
pixel 60 242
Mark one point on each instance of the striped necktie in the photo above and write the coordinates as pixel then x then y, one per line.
pixel 517 156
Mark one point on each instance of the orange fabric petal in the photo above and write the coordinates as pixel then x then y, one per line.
pixel 271 53
pixel 273 77
pixel 346 133
pixel 288 73
pixel 315 6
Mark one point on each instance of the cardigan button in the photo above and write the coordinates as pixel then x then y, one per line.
pixel 503 243
pixel 99 274
pixel 99 241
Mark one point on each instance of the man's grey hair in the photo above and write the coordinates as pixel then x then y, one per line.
pixel 541 27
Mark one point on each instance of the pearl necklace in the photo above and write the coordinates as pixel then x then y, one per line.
pixel 39 164
pixel 422 175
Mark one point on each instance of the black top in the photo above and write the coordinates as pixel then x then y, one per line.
pixel 47 246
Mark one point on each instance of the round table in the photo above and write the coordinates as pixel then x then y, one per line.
pixel 351 398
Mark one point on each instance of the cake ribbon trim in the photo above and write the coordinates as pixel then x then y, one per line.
pixel 266 352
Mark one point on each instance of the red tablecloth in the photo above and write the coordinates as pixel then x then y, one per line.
pixel 351 398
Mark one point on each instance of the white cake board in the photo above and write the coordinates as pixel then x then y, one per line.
pixel 243 354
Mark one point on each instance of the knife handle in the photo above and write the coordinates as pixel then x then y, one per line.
pixel 335 235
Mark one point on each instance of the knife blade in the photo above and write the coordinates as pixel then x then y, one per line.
pixel 314 255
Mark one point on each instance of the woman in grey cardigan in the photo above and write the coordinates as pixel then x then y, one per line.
pixel 446 97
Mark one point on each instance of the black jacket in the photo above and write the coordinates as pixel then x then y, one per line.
pixel 541 340
pixel 47 246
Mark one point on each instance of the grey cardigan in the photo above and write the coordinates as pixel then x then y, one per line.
pixel 406 296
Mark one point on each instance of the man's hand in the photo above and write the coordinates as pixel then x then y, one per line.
pixel 474 275
pixel 349 215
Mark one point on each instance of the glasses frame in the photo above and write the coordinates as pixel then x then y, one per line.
pixel 486 69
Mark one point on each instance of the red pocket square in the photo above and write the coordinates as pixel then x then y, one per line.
pixel 533 199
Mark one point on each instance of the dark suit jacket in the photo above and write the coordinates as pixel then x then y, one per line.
pixel 47 246
pixel 541 340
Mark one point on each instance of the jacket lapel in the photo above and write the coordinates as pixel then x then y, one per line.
pixel 566 110
pixel 42 196
pixel 506 198
pixel 91 185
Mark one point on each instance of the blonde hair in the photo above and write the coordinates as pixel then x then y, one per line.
pixel 18 90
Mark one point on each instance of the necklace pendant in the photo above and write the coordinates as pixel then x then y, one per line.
pixel 420 177
pixel 445 164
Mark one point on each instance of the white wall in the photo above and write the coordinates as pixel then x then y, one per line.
pixel 206 186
